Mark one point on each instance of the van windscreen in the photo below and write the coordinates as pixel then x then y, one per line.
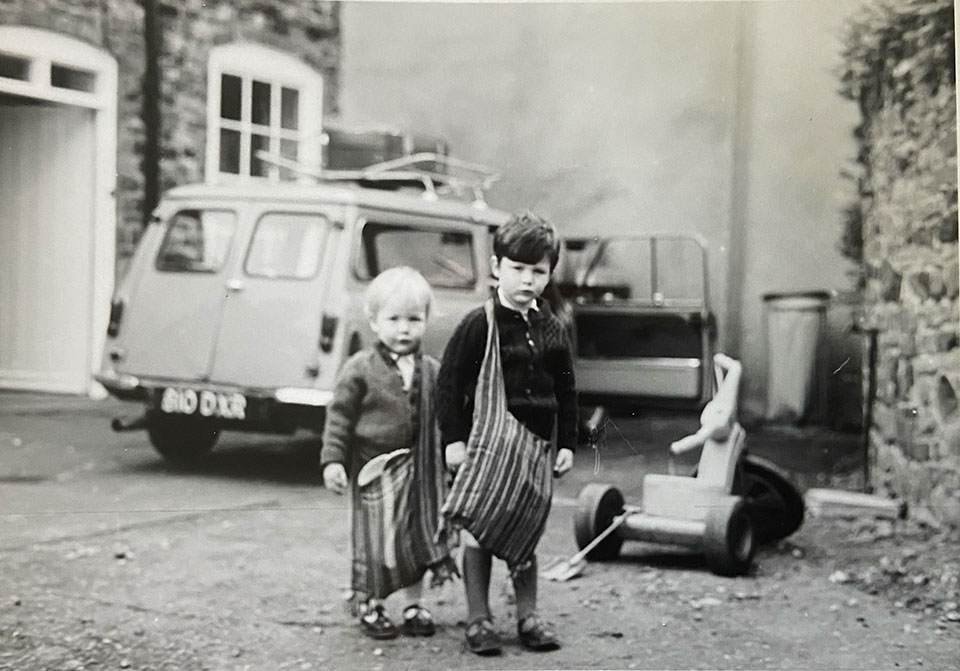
pixel 197 241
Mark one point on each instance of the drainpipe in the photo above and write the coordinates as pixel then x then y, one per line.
pixel 871 395
pixel 150 163
pixel 741 109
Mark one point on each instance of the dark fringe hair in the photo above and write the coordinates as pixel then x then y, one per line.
pixel 527 238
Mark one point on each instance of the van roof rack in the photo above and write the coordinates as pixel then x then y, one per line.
pixel 474 179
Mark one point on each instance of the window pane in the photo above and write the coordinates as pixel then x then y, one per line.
pixel 444 258
pixel 230 97
pixel 289 150
pixel 230 151
pixel 621 268
pixel 196 241
pixel 286 246
pixel 70 78
pixel 259 167
pixel 14 68
pixel 679 269
pixel 624 269
pixel 261 103
pixel 289 108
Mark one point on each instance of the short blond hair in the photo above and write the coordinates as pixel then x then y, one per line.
pixel 400 282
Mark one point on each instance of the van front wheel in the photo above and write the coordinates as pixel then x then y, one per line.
pixel 181 440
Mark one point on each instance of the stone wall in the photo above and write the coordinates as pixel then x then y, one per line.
pixel 901 69
pixel 309 30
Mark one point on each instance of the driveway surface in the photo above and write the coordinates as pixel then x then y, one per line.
pixel 112 559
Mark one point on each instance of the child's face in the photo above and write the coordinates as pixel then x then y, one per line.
pixel 522 282
pixel 400 323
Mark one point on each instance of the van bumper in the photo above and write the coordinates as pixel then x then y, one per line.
pixel 281 410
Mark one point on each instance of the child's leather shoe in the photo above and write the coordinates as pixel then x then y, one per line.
pixel 376 624
pixel 482 639
pixel 418 621
pixel 534 634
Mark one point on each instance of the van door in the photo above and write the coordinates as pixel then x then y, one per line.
pixel 270 331
pixel 447 252
pixel 170 325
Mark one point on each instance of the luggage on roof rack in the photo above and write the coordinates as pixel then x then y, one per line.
pixel 357 148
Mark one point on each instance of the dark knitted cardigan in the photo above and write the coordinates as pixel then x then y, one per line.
pixel 537 374
pixel 370 414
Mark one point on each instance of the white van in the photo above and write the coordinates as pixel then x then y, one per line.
pixel 243 301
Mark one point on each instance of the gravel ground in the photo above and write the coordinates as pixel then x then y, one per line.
pixel 112 560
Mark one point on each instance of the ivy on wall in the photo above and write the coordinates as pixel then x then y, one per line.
pixel 896 53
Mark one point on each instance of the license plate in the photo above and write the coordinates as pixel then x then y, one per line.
pixel 180 401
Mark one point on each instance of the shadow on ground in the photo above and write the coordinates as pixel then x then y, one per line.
pixel 291 460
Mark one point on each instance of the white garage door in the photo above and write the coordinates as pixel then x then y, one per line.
pixel 46 244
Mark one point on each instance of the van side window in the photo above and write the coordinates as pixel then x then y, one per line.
pixel 196 241
pixel 444 257
pixel 287 246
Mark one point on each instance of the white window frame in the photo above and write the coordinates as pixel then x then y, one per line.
pixel 250 61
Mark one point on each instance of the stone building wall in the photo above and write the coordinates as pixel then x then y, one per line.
pixel 188 29
pixel 901 69
pixel 308 30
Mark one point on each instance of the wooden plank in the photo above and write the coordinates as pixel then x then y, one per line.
pixel 839 503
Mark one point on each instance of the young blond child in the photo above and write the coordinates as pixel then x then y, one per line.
pixel 379 407
pixel 506 383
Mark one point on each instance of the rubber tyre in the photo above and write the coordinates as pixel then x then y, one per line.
pixel 181 440
pixel 775 506
pixel 728 539
pixel 597 505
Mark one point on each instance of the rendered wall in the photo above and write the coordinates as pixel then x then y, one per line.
pixel 721 118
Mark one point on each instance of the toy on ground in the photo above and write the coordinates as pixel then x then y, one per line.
pixel 732 502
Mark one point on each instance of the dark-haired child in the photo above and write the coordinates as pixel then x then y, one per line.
pixel 506 381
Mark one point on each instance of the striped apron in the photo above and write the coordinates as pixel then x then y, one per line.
pixel 501 493
pixel 399 510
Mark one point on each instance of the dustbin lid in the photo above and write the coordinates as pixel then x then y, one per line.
pixel 797 300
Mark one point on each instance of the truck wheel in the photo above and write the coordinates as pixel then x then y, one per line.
pixel 728 539
pixel 181 439
pixel 597 505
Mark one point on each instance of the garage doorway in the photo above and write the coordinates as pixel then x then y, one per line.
pixel 57 210
pixel 46 223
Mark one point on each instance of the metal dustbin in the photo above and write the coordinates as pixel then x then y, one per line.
pixel 794 323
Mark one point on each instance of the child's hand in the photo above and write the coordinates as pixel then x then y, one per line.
pixel 456 454
pixel 335 478
pixel 564 461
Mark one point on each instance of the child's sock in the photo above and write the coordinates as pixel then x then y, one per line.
pixel 477 563
pixel 525 588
